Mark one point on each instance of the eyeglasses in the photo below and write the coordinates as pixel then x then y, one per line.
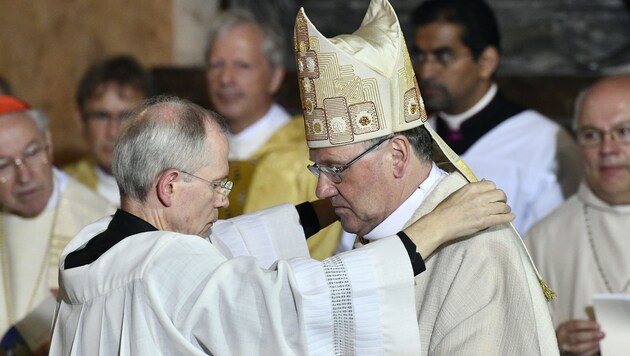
pixel 34 154
pixel 591 136
pixel 334 172
pixel 222 186
pixel 106 116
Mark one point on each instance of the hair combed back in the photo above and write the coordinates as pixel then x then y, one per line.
pixel 480 28
pixel 273 46
pixel 419 138
pixel 166 133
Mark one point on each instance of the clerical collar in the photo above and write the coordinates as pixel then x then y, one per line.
pixel 107 186
pixel 60 181
pixel 455 121
pixel 245 143
pixel 588 197
pixel 122 225
pixel 397 220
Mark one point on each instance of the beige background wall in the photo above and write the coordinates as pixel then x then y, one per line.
pixel 45 45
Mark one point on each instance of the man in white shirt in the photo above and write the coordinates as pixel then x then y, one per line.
pixel 245 69
pixel 382 166
pixel 148 281
pixel 582 248
pixel 456 52
pixel 41 209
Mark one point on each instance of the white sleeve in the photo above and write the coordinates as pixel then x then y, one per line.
pixel 364 295
pixel 268 235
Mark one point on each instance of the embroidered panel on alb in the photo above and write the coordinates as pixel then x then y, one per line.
pixel 341 298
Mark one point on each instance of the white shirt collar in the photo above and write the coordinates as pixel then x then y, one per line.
pixel 455 121
pixel 107 186
pixel 245 143
pixel 397 220
pixel 60 181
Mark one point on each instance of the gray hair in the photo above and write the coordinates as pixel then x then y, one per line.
pixel 39 118
pixel 419 138
pixel 273 46
pixel 165 133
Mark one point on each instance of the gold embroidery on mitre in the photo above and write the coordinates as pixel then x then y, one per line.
pixel 364 118
pixel 338 121
pixel 308 105
pixel 335 88
pixel 308 69
pixel 423 112
pixel 411 109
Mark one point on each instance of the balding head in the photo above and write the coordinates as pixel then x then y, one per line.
pixel 166 133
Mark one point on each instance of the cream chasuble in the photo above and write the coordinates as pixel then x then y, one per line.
pixel 30 249
pixel 581 249
pixel 478 296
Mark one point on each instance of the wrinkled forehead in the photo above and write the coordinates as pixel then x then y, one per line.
pixel 18 122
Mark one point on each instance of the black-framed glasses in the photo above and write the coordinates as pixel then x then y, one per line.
pixel 590 136
pixel 334 172
pixel 33 154
pixel 222 186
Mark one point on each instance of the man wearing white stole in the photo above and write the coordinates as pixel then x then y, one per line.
pixel 583 246
pixel 383 167
pixel 41 209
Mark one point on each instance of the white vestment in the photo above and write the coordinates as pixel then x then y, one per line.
pixel 31 252
pixel 530 157
pixel 480 296
pixel 164 293
pixel 563 250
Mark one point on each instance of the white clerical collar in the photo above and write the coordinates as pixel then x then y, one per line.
pixel 397 220
pixel 60 181
pixel 455 121
pixel 244 144
pixel 588 197
pixel 107 187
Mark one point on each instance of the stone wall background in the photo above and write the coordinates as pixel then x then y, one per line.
pixel 562 37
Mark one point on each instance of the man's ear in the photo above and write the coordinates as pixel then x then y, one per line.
pixel 488 62
pixel 165 186
pixel 277 76
pixel 401 153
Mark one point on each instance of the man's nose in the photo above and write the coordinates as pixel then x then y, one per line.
pixel 325 187
pixel 609 144
pixel 114 124
pixel 222 201
pixel 226 75
pixel 23 172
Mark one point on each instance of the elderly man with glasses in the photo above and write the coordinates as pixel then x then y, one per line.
pixel 382 167
pixel 583 246
pixel 42 208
